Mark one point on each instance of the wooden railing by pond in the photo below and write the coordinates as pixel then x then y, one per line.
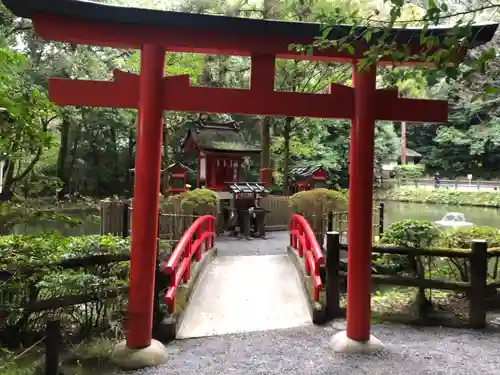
pixel 477 289
pixel 453 184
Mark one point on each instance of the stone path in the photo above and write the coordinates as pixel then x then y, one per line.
pixel 305 351
pixel 276 243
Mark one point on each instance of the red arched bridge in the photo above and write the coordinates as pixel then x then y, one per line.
pixel 243 285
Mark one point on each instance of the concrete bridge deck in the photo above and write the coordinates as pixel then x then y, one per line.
pixel 251 286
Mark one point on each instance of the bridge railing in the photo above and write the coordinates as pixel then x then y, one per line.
pixel 303 239
pixel 178 266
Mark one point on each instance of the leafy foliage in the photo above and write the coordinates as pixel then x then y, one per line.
pixel 33 265
pixel 461 238
pixel 445 196
pixel 411 233
pixel 318 201
pixel 409 171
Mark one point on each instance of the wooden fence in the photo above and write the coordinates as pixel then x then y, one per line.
pixel 478 286
pixel 116 218
pixel 173 220
pixel 453 184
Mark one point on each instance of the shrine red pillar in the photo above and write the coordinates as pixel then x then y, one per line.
pixel 360 205
pixel 146 198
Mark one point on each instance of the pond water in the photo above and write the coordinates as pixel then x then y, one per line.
pixel 394 211
pixel 397 211
pixel 88 224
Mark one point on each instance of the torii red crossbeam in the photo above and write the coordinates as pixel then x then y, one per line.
pixel 123 92
pixel 154 32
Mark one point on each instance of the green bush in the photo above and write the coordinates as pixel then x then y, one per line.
pixel 315 204
pixel 461 238
pixel 197 200
pixel 411 233
pixel 318 201
pixel 47 280
pixel 409 171
pixel 19 250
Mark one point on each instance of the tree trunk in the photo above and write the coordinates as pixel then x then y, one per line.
pixel 286 154
pixel 7 193
pixel 62 155
pixel 265 142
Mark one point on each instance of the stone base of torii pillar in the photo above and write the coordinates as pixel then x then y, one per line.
pixel 133 359
pixel 340 343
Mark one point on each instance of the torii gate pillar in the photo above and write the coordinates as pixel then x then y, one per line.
pixel 146 197
pixel 357 337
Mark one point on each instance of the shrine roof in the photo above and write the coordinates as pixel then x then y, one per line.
pixel 303 172
pixel 231 26
pixel 219 138
pixel 412 153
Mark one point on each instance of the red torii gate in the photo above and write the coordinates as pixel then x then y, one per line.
pixel 156 32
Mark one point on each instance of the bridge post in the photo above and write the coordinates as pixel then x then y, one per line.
pixel 357 337
pixel 332 275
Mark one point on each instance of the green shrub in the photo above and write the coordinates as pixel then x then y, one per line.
pixel 197 200
pixel 46 281
pixel 409 171
pixel 18 250
pixel 318 201
pixel 315 204
pixel 461 238
pixel 411 233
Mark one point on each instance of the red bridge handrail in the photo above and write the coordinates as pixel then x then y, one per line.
pixel 303 239
pixel 203 231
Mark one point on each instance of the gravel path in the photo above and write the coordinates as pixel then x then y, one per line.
pixel 275 244
pixel 305 351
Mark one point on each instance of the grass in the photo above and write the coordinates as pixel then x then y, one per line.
pixel 86 358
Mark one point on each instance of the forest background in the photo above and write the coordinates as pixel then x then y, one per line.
pixel 59 151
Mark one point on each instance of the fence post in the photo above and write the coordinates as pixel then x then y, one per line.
pixel 52 346
pixel 477 291
pixel 125 221
pixel 381 207
pixel 329 227
pixel 332 275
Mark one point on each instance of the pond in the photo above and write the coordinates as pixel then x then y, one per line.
pixel 394 211
pixel 397 211
pixel 88 224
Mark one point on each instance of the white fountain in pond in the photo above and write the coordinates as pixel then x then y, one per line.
pixel 453 220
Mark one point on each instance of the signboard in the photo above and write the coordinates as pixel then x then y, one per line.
pixel 469 177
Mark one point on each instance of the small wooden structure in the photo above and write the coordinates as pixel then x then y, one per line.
pixel 307 178
pixel 244 211
pixel 178 178
pixel 220 148
pixel 412 157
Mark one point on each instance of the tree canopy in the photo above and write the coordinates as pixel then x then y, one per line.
pixel 56 151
